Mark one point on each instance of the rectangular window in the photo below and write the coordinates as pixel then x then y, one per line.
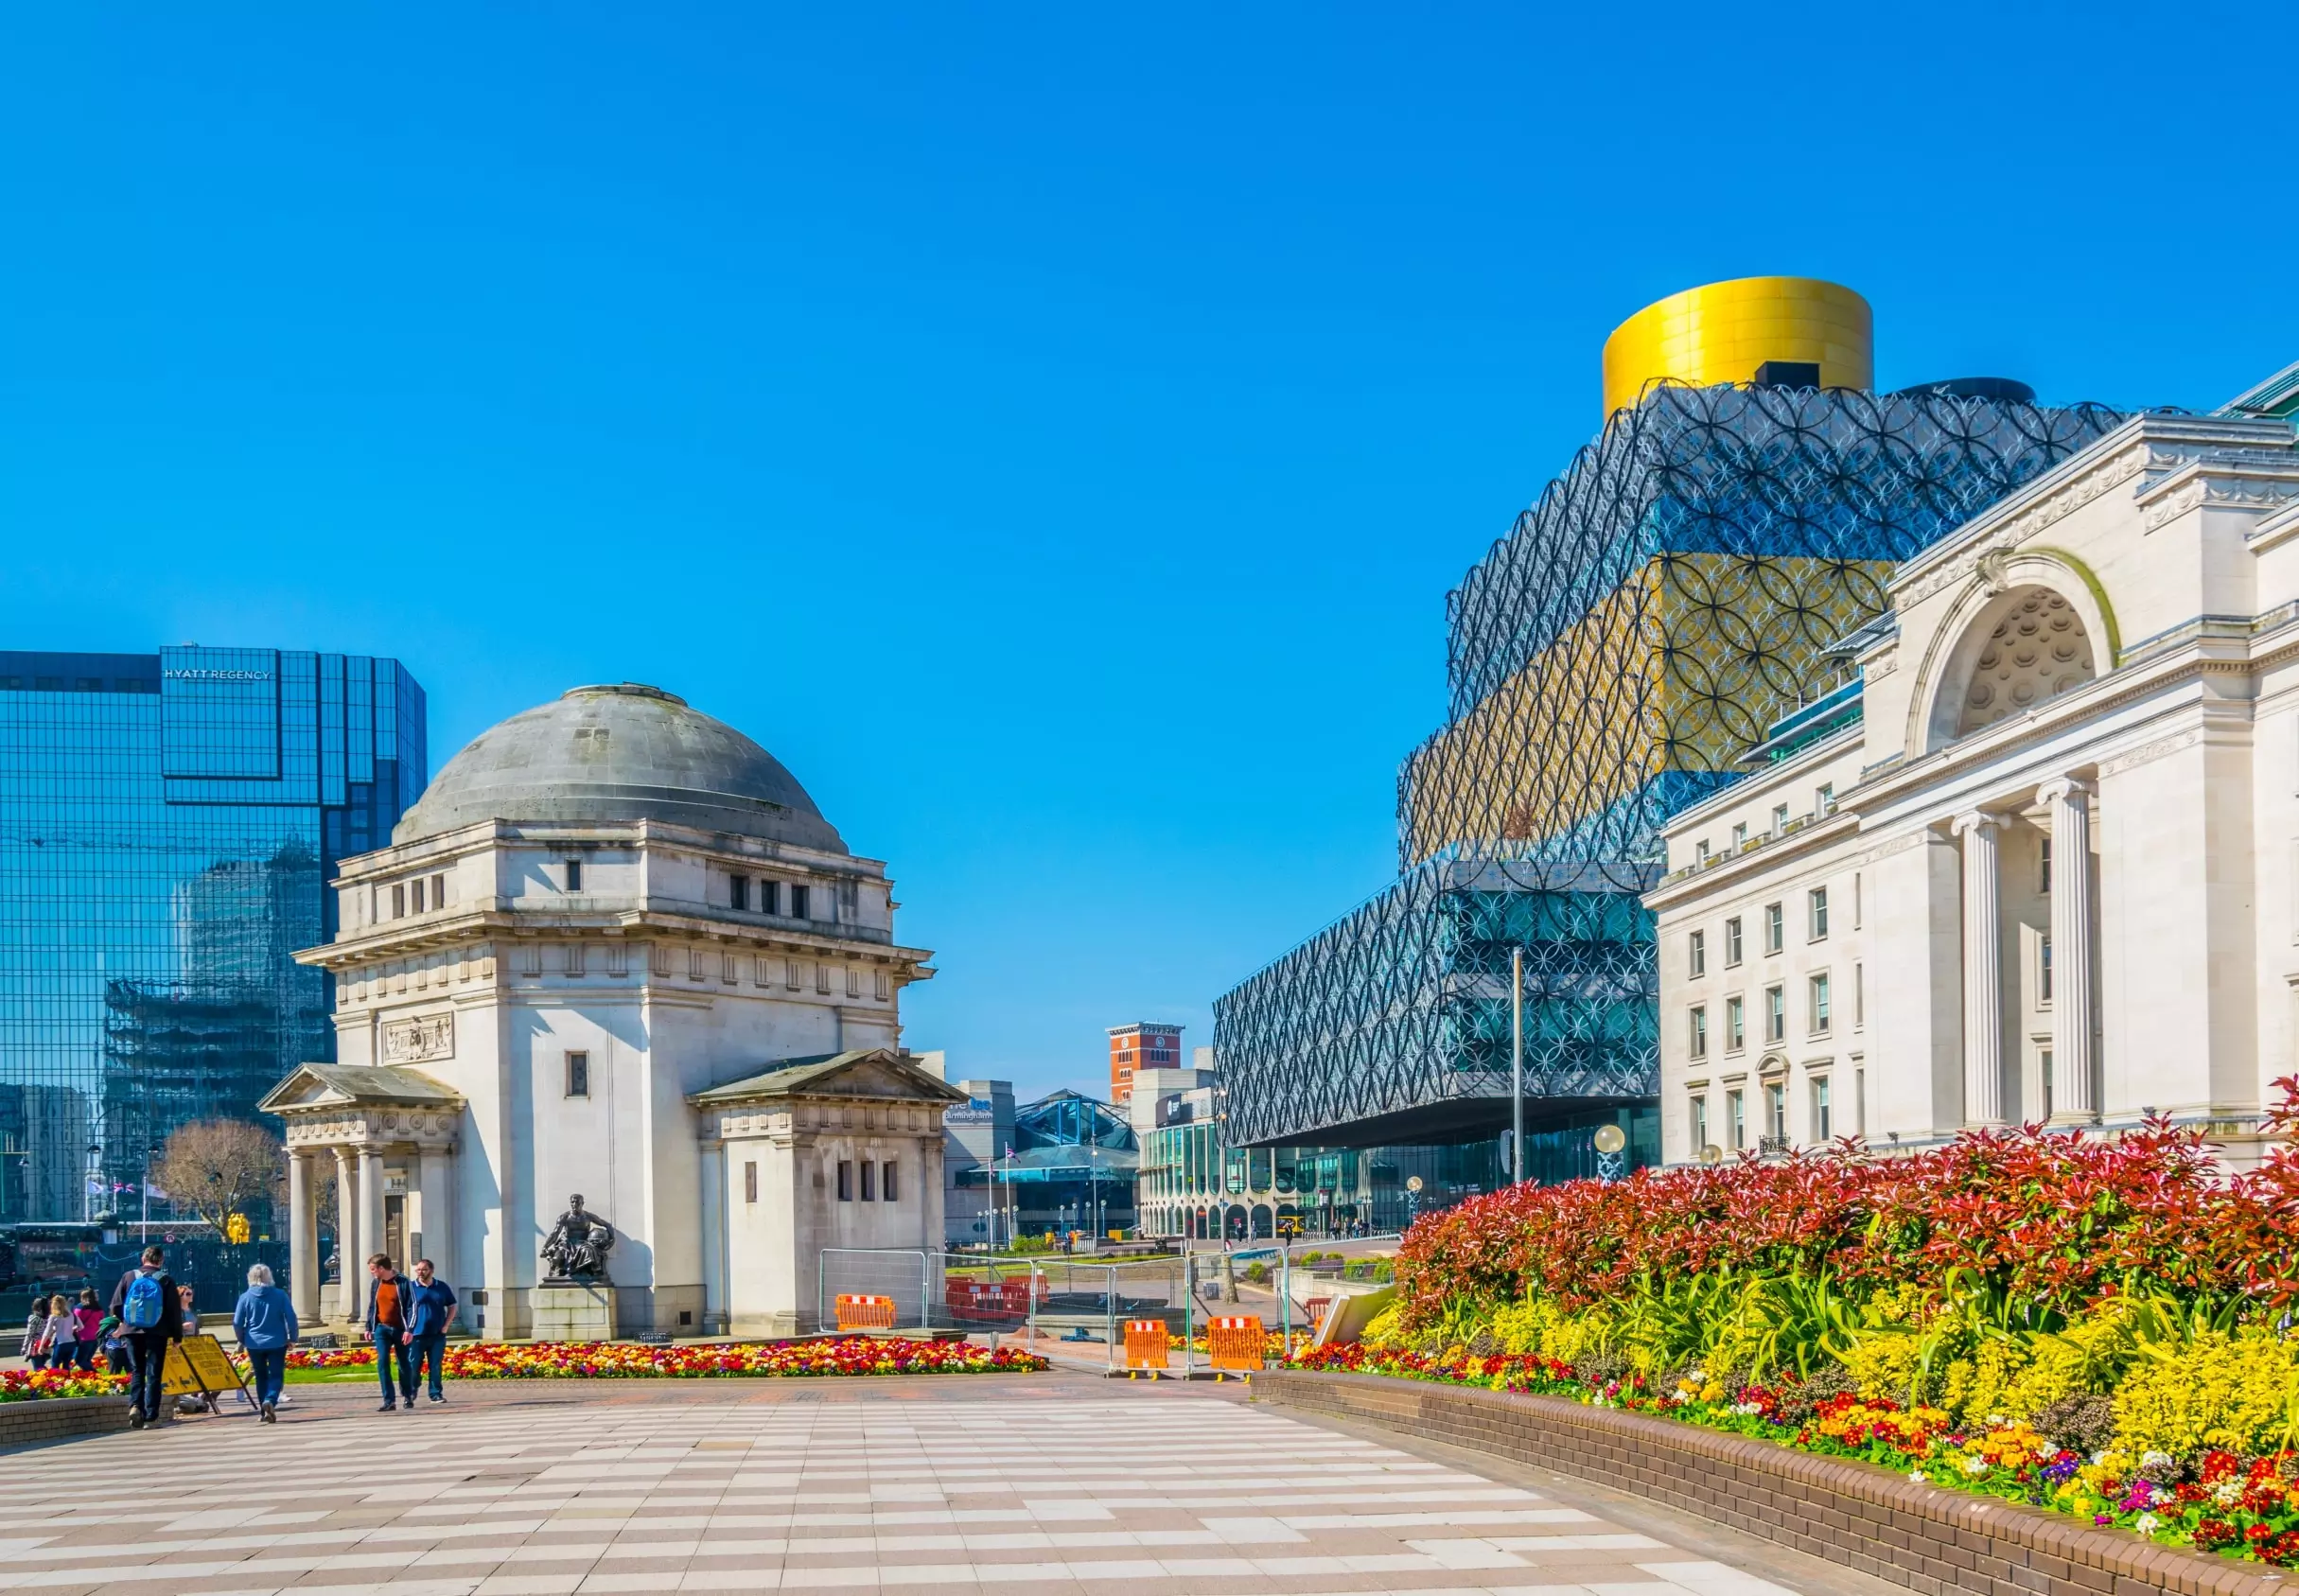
pixel 1736 1026
pixel 695 965
pixel 2044 1059
pixel 530 958
pixel 846 1181
pixel 415 896
pixel 729 973
pixel 1824 799
pixel 439 892
pixel 887 1190
pixel 797 902
pixel 1696 953
pixel 663 959
pixel 1733 943
pixel 578 1075
pixel 1776 1111
pixel 791 976
pixel 398 900
pixel 1736 1118
pixel 770 897
pixel 1816 913
pixel 885 987
pixel 738 892
pixel 853 981
pixel 1698 1033
pixel 1823 1117
pixel 822 978
pixel 1859 996
pixel 1775 927
pixel 575 875
pixel 1739 837
pixel 1776 1013
pixel 1860 1102
pixel 869 1182
pixel 1855 902
pixel 574 959
pixel 618 958
pixel 1819 994
pixel 750 1182
pixel 1700 851
pixel 1780 819
pixel 2043 867
pixel 759 976
pixel 2044 970
pixel 1700 1124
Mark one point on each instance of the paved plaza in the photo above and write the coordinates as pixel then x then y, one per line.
pixel 1052 1483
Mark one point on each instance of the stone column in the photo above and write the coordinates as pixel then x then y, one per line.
pixel 1983 972
pixel 347 1249
pixel 436 1174
pixel 2073 1066
pixel 303 1239
pixel 371 1211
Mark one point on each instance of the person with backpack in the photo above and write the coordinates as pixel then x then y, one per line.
pixel 151 1316
pixel 264 1325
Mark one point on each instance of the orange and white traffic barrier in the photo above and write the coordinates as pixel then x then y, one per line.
pixel 861 1312
pixel 1145 1345
pixel 1238 1344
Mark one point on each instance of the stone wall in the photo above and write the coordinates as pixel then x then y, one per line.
pixel 1931 1540
pixel 25 1424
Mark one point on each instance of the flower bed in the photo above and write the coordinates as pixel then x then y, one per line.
pixel 2098 1324
pixel 35 1385
pixel 850 1355
pixel 2248 1507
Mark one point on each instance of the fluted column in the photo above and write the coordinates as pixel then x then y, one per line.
pixel 2073 1067
pixel 371 1214
pixel 347 1250
pixel 303 1238
pixel 1983 972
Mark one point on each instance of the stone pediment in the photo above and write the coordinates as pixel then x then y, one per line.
pixel 333 1088
pixel 874 1073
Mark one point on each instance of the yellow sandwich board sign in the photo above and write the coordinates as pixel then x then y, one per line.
pixel 196 1366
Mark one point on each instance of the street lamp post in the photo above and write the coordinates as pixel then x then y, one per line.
pixel 1517 1066
pixel 150 1153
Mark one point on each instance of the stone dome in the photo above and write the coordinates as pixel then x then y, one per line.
pixel 619 752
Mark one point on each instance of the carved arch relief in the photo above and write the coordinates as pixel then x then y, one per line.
pixel 2012 644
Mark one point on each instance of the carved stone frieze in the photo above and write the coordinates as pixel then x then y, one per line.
pixel 2149 753
pixel 420 1040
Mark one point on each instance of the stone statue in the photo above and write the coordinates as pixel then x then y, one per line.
pixel 577 1246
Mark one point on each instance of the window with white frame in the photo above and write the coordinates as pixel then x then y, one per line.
pixel 1696 953
pixel 1740 836
pixel 1780 819
pixel 1736 1025
pixel 1736 1118
pixel 2044 971
pixel 1776 1013
pixel 1776 1109
pixel 1824 799
pixel 1817 996
pixel 2043 867
pixel 1815 914
pixel 1731 947
pixel 1823 1109
pixel 1699 1122
pixel 1700 851
pixel 1859 996
pixel 1775 927
pixel 1697 1032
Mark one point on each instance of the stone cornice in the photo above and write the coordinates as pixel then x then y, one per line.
pixel 463 931
pixel 623 834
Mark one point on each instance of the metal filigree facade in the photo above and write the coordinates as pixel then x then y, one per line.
pixel 1611 661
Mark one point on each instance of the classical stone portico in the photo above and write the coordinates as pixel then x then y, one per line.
pixel 386 1138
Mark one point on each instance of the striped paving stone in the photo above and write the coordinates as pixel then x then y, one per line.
pixel 978 1484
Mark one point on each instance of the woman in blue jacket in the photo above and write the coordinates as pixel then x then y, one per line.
pixel 264 1322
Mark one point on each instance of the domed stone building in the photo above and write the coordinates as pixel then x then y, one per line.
pixel 615 951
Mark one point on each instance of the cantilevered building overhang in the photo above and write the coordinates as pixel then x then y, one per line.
pixel 1613 660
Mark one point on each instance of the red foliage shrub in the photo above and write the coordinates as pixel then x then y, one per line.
pixel 2048 1217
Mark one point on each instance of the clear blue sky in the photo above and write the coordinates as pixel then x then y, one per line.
pixel 1053 430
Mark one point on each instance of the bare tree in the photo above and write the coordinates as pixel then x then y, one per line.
pixel 217 1168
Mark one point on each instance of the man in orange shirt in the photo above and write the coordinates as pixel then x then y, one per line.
pixel 387 1330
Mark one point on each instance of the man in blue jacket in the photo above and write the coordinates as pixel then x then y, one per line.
pixel 431 1302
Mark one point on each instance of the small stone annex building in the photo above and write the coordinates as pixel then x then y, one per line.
pixel 616 950
pixel 2038 861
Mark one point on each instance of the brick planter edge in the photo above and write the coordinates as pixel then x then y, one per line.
pixel 60 1418
pixel 1860 1515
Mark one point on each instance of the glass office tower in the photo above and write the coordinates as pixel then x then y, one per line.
pixel 169 823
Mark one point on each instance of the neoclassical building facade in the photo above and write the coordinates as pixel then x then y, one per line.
pixel 2039 860
pixel 616 950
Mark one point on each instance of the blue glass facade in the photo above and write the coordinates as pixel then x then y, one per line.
pixel 169 823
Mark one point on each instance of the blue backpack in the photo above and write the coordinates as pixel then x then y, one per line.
pixel 141 1310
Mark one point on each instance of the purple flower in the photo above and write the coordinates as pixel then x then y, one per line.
pixel 2101 1519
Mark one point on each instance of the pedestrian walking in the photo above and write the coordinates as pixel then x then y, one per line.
pixel 35 1329
pixel 431 1311
pixel 90 1319
pixel 263 1322
pixel 150 1313
pixel 386 1331
pixel 61 1339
